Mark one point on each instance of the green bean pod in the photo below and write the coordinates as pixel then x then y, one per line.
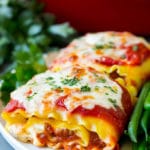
pixel 147 102
pixel 134 146
pixel 142 145
pixel 145 122
pixel 136 115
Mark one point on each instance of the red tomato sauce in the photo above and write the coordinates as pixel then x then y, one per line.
pixel 13 105
pixel 60 102
pixel 134 55
pixel 117 116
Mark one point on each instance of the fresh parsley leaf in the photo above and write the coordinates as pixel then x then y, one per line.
pixel 71 81
pixel 99 47
pixel 104 46
pixel 85 88
pixel 113 101
pixel 135 48
pixel 100 78
pixel 111 89
pixel 49 78
pixel 106 93
pixel 58 88
pixel 96 88
pixel 30 97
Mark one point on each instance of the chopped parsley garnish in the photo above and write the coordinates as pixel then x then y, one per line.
pixel 113 101
pixel 85 88
pixel 104 46
pixel 33 83
pixel 135 48
pixel 31 96
pixel 49 78
pixel 55 87
pixel 99 47
pixel 70 82
pixel 123 56
pixel 96 88
pixel 111 89
pixel 100 79
pixel 106 93
pixel 50 81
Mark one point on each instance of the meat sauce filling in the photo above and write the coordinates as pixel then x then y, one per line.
pixel 67 139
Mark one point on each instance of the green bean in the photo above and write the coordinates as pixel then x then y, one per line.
pixel 142 145
pixel 135 118
pixel 147 102
pixel 145 122
pixel 134 146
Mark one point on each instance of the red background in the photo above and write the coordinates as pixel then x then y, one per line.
pixel 99 15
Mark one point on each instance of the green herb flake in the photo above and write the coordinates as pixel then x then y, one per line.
pixel 96 88
pixel 31 96
pixel 113 101
pixel 56 87
pixel 99 47
pixel 49 78
pixel 70 82
pixel 85 88
pixel 33 83
pixel 50 82
pixel 111 89
pixel 100 79
pixel 104 46
pixel 123 56
pixel 135 48
pixel 106 93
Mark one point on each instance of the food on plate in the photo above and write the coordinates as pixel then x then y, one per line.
pixel 85 99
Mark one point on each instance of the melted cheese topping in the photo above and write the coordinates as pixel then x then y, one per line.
pixel 87 90
pixel 92 47
pixel 118 38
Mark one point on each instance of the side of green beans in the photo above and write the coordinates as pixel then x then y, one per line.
pixel 136 115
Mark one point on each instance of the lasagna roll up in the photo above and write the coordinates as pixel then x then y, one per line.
pixel 123 55
pixel 76 108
